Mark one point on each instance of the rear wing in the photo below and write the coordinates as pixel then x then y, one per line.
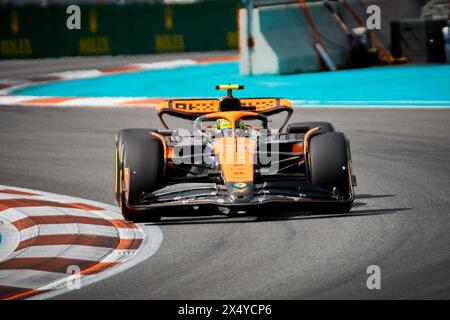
pixel 191 109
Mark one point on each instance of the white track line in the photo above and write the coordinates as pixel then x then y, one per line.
pixel 68 228
pixel 166 64
pixel 29 233
pixel 127 102
pixel 94 73
pixel 78 74
pixel 92 102
pixel 68 251
pixel 27 278
pixel 392 104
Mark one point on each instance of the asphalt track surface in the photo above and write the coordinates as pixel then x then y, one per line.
pixel 400 219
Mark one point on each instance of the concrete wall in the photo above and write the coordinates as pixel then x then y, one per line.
pixel 283 41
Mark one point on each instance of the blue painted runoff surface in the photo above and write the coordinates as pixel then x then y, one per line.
pixel 394 85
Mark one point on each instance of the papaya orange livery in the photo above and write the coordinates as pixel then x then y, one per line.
pixel 234 156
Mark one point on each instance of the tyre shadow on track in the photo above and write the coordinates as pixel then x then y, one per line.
pixel 187 217
pixel 373 196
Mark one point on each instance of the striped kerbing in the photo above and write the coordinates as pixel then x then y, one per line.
pixel 56 233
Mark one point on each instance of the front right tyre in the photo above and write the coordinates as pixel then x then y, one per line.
pixel 329 155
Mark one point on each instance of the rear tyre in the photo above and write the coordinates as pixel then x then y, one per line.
pixel 329 154
pixel 303 127
pixel 143 154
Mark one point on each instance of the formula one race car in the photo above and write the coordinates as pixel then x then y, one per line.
pixel 231 160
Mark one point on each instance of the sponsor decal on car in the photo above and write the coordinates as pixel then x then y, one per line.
pixel 240 185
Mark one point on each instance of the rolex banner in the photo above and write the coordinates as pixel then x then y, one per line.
pixel 60 30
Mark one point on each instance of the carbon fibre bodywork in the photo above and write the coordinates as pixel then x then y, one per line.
pixel 210 187
pixel 238 168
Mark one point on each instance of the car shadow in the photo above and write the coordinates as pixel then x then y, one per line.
pixel 373 196
pixel 187 217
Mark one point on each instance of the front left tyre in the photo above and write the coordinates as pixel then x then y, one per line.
pixel 141 155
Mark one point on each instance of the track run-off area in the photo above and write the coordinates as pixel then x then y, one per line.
pixel 145 84
pixel 400 220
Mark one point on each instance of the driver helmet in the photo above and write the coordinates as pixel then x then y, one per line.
pixel 230 104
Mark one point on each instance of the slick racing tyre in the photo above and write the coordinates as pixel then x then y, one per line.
pixel 328 155
pixel 122 136
pixel 143 154
pixel 303 127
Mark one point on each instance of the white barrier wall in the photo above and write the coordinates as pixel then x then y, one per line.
pixel 283 40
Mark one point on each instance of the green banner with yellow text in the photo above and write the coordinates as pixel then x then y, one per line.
pixel 35 31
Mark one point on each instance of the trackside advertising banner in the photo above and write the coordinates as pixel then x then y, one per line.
pixel 109 29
